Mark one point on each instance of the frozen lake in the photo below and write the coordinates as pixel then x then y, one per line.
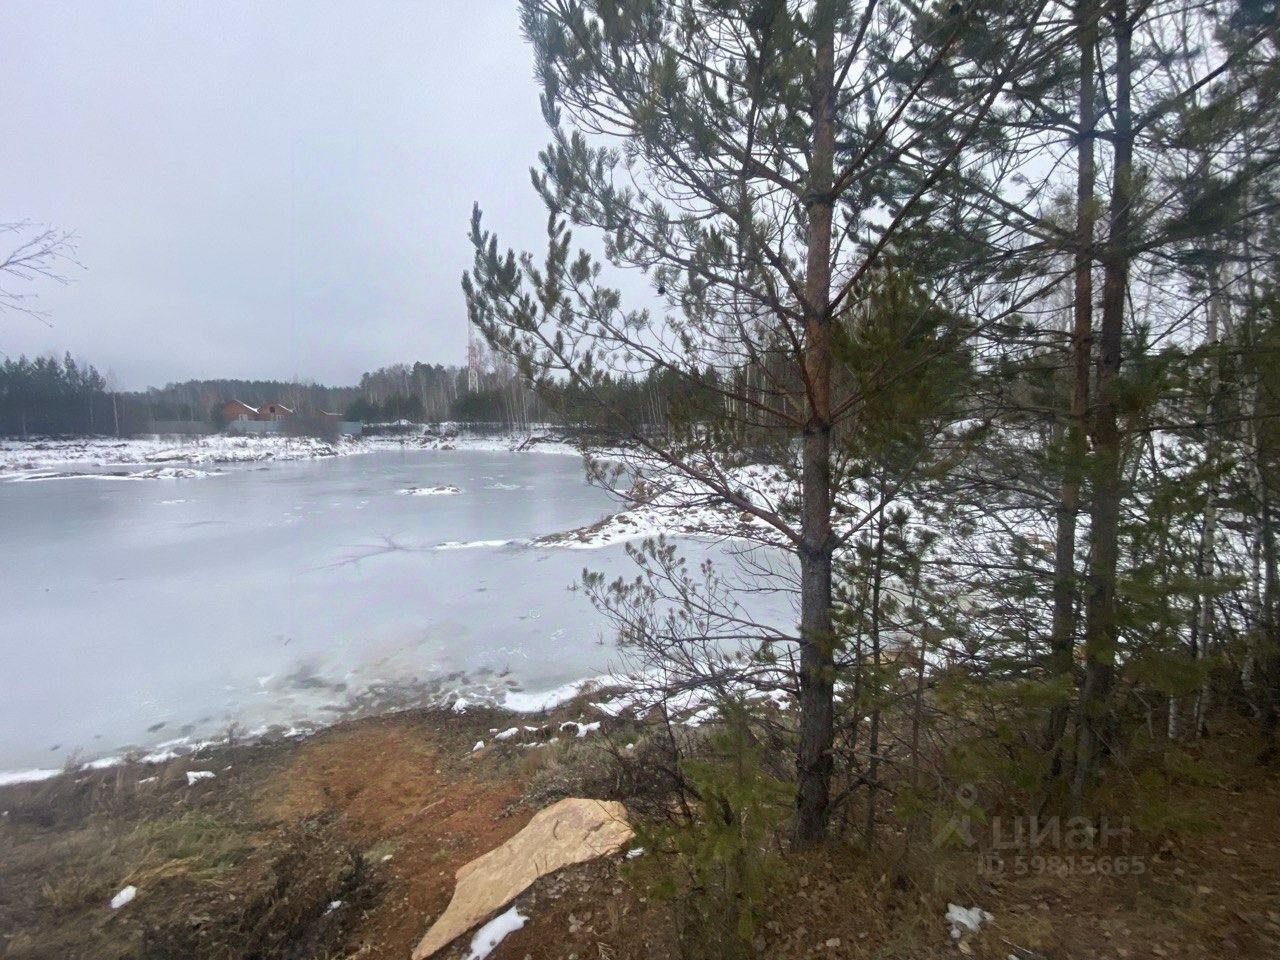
pixel 136 612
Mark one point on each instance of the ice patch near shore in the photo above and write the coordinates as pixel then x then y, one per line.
pixel 31 456
pixel 154 473
pixel 445 491
pixel 470 544
pixel 40 455
pixel 518 701
pixel 26 776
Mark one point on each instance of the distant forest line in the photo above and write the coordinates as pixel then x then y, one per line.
pixel 47 396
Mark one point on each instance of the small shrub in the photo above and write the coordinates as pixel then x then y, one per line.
pixel 717 865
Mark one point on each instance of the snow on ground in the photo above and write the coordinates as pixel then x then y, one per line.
pixel 520 702
pixel 493 932
pixel 26 776
pixel 965 920
pixel 153 473
pixel 124 896
pixel 32 456
pixel 471 544
pixel 581 729
pixel 40 456
pixel 675 505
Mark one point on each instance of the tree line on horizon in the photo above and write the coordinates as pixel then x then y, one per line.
pixel 48 396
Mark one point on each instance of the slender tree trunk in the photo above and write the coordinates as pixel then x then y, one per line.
pixel 1062 657
pixel 1101 629
pixel 873 735
pixel 1269 644
pixel 1263 553
pixel 1209 528
pixel 817 636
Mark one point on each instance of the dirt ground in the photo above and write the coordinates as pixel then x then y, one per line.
pixel 373 816
pixel 344 845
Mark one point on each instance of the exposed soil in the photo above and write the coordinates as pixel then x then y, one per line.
pixel 345 845
pixel 374 815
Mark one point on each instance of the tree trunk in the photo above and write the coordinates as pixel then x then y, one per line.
pixel 1062 641
pixel 1217 320
pixel 1101 629
pixel 873 736
pixel 817 636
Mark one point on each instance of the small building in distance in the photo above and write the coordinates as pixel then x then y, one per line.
pixel 236 410
pixel 279 418
pixel 274 411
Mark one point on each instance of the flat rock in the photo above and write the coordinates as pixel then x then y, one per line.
pixel 571 831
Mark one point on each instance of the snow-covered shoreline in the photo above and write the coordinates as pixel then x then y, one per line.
pixel 514 702
pixel 609 694
pixel 50 458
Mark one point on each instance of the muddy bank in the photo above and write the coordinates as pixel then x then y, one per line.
pixel 345 844
pixel 346 839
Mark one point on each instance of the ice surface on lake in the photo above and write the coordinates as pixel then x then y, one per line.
pixel 151 615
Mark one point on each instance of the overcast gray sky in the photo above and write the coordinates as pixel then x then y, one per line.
pixel 264 189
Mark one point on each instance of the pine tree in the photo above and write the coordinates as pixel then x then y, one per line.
pixel 757 159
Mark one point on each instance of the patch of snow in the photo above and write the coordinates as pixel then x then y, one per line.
pixel 195 776
pixel 446 490
pixel 102 451
pixel 521 702
pixel 493 933
pixel 470 544
pixel 124 896
pixel 701 717
pixel 154 473
pixel 104 763
pixel 966 919
pixel 582 728
pixel 612 708
pixel 26 776
pixel 333 905
pixel 635 852
pixel 479 746
pixel 507 734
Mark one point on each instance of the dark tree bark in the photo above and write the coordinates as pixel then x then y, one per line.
pixel 817 634
pixel 1101 627
pixel 1062 658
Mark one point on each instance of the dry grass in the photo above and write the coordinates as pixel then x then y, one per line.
pixel 379 814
